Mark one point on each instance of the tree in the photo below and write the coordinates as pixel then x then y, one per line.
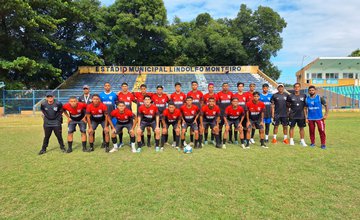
pixel 355 53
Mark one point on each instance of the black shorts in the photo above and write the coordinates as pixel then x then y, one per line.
pixel 234 122
pixel 144 124
pixel 174 125
pixel 244 122
pixel 208 124
pixel 222 122
pixel 119 127
pixel 72 126
pixel 281 120
pixel 95 124
pixel 193 126
pixel 301 123
pixel 255 125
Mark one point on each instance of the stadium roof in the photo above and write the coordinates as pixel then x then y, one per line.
pixel 323 63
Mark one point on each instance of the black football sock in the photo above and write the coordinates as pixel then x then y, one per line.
pixel 212 136
pixel 224 141
pixel 139 144
pixel 157 141
pixel 200 140
pixel 70 144
pixel 242 141
pixel 218 142
pixel 262 142
pixel 132 139
pixel 121 137
pixel 177 139
pixel 83 143
pixel 236 135
pixel 166 138
pixel 182 142
pixel 148 138
pixel 114 140
pixel 143 139
pixel 162 140
pixel 230 133
pixel 267 129
pixel 252 133
pixel 91 145
pixel 174 135
pixel 191 138
pixel 206 136
pixel 196 143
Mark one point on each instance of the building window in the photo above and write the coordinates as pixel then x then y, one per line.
pixel 316 75
pixel 307 75
pixel 319 76
pixel 332 75
pixel 348 75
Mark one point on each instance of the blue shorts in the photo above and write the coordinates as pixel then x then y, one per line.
pixel 114 121
pixel 267 120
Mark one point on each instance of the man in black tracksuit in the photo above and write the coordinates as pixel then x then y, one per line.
pixel 52 111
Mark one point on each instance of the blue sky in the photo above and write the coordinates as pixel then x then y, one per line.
pixel 315 28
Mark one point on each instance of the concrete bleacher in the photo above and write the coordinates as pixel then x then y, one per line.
pixel 168 81
pixel 347 91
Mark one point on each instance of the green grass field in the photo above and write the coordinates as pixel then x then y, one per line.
pixel 281 182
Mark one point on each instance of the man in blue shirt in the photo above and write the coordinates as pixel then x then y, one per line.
pixel 265 97
pixel 110 99
pixel 314 104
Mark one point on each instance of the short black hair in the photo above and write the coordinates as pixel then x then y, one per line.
pixel 194 82
pixel 96 95
pixel 143 85
pixel 124 84
pixel 212 98
pixel 265 85
pixel 159 86
pixel 177 84
pixel 240 83
pixel 256 93
pixel 121 102
pixel 234 98
pixel 297 84
pixel 72 97
pixel 252 84
pixel 224 83
pixel 312 87
pixel 171 103
pixel 106 83
pixel 189 97
pixel 147 96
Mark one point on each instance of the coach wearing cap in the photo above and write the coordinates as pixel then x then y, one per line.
pixel 86 97
pixel 52 115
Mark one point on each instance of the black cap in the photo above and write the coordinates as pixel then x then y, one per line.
pixel 49 94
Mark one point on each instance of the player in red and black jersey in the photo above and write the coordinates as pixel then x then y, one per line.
pixel 160 99
pixel 128 98
pixel 171 116
pixel 242 97
pixel 190 114
pixel 249 97
pixel 139 98
pixel 125 119
pixel 224 100
pixel 255 116
pixel 178 97
pixel 208 95
pixel 148 116
pixel 234 115
pixel 97 114
pixel 75 113
pixel 198 100
pixel 210 117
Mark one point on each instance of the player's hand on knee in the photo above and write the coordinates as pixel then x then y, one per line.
pixel 90 130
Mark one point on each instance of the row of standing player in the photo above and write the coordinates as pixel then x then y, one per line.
pixel 198 114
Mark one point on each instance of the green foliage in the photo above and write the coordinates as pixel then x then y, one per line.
pixel 355 53
pixel 43 41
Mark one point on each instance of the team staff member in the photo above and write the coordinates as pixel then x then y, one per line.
pixel 52 115
pixel 265 98
pixel 234 115
pixel 171 116
pixel 148 116
pixel 314 104
pixel 86 96
pixel 242 97
pixel 190 115
pixel 279 111
pixel 210 117
pixel 75 113
pixel 210 94
pixel 297 104
pixel 125 119
pixel 255 116
pixel 97 114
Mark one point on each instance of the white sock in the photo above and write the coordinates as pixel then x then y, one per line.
pixel 285 136
pixel 275 136
pixel 291 139
pixel 133 146
pixel 115 145
pixel 266 137
pixel 302 141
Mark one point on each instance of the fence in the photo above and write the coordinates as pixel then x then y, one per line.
pixel 15 101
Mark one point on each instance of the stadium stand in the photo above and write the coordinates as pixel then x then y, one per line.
pixel 347 91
